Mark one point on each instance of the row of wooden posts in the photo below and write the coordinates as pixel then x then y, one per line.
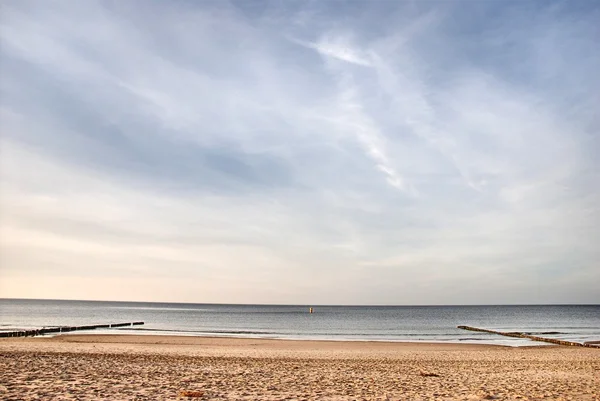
pixel 64 329
pixel 529 336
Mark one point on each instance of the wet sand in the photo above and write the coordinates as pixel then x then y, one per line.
pixel 118 367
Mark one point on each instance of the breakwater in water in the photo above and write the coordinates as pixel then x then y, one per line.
pixel 64 329
pixel 516 334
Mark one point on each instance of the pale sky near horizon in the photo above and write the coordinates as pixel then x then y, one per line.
pixel 312 152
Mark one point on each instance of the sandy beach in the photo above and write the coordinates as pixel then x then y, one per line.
pixel 117 367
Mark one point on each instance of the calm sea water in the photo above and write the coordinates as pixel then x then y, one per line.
pixel 366 323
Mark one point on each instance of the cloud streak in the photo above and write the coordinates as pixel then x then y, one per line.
pixel 337 48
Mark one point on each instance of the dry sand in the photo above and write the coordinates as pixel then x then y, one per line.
pixel 93 367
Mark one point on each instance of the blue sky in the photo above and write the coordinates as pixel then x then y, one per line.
pixel 300 152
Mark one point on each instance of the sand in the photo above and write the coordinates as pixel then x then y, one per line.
pixel 118 367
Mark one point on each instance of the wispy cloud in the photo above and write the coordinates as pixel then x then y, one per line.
pixel 321 153
pixel 354 119
pixel 337 47
pixel 350 115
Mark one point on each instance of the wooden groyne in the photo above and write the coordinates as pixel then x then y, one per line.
pixel 517 334
pixel 64 329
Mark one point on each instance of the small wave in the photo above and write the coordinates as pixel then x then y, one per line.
pixel 146 329
pixel 334 334
pixel 205 331
pixel 160 309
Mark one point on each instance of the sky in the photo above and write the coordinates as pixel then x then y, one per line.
pixel 300 152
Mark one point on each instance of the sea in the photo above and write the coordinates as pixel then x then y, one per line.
pixel 578 323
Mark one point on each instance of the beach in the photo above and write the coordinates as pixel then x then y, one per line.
pixel 128 367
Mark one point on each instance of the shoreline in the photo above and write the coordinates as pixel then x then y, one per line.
pixel 178 339
pixel 498 342
pixel 129 367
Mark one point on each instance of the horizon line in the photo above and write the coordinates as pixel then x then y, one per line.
pixel 295 304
